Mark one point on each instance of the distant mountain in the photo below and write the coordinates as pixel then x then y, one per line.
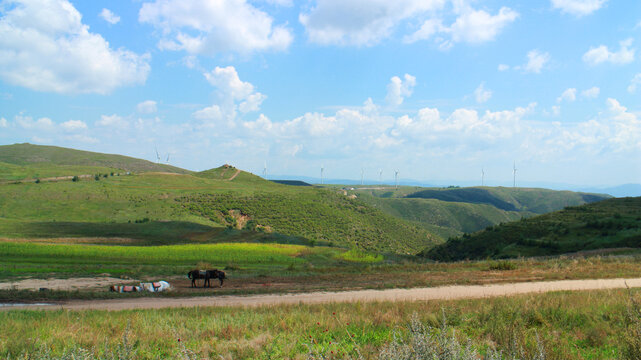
pixel 609 223
pixel 618 191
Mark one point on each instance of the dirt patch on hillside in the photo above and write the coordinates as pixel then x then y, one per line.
pixel 64 284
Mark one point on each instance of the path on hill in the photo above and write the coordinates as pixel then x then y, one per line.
pixel 235 174
pixel 416 294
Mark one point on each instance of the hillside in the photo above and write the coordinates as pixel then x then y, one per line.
pixel 538 201
pixel 606 224
pixel 248 202
pixel 25 161
pixel 451 212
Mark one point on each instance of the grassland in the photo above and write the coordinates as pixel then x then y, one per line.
pixel 607 224
pixel 563 325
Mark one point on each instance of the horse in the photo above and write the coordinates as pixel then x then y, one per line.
pixel 196 274
pixel 214 274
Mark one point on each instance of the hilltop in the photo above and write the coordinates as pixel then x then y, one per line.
pixel 27 161
pixel 606 224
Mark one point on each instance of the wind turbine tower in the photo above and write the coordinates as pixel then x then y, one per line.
pixel 380 176
pixel 265 171
pixel 362 174
pixel 322 169
pixel 167 161
pixel 514 175
pixel 157 155
pixel 396 178
pixel 482 177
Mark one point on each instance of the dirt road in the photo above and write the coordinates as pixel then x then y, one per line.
pixel 417 294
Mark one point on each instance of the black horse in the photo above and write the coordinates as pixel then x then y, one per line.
pixel 214 274
pixel 206 275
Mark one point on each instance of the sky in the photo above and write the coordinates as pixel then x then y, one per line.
pixel 438 90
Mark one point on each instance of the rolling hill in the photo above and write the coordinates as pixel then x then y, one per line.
pixel 451 212
pixel 127 205
pixel 27 161
pixel 609 223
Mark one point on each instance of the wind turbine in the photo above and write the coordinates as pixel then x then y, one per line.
pixel 380 175
pixel 396 178
pixel 322 169
pixel 482 177
pixel 167 159
pixel 157 155
pixel 265 171
pixel 514 174
pixel 362 173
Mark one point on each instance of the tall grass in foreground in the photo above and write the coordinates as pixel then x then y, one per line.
pixel 563 325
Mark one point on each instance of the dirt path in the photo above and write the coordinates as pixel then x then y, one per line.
pixel 234 176
pixel 417 294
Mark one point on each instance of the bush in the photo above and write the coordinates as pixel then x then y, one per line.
pixel 97 177
pixel 75 178
pixel 502 265
pixel 37 181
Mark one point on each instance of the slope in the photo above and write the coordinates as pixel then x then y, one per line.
pixel 605 224
pixel 248 202
pixel 31 161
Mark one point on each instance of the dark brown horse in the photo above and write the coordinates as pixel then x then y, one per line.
pixel 214 274
pixel 206 275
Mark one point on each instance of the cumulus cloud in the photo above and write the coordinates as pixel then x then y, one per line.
pixel 399 89
pixel 568 95
pixel 233 95
pixel 601 54
pixel 4 123
pixel 46 47
pixel 536 60
pixel 147 107
pixel 210 27
pixel 27 122
pixel 113 121
pixel 471 26
pixel 591 93
pixel 332 22
pixel 109 16
pixel 634 83
pixel 73 125
pixel 578 7
pixel 478 26
pixel 481 94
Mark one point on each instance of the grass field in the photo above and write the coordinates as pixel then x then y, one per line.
pixel 563 325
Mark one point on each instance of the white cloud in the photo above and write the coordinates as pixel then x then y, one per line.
pixel 109 16
pixel 602 54
pixel 147 107
pixel 471 26
pixel 4 123
pixel 46 47
pixel 113 121
pixel 568 95
pixel 399 89
pixel 482 95
pixel 73 125
pixel 591 93
pixel 333 22
pixel 503 67
pixel 27 122
pixel 536 61
pixel 478 26
pixel 286 3
pixel 578 7
pixel 634 83
pixel 210 27
pixel 233 95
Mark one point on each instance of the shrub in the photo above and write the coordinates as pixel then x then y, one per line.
pixel 37 181
pixel 75 178
pixel 502 265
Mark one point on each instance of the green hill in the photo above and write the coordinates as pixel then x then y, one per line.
pixel 537 201
pixel 606 224
pixel 27 161
pixel 247 202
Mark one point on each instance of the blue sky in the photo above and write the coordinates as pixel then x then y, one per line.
pixel 436 89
